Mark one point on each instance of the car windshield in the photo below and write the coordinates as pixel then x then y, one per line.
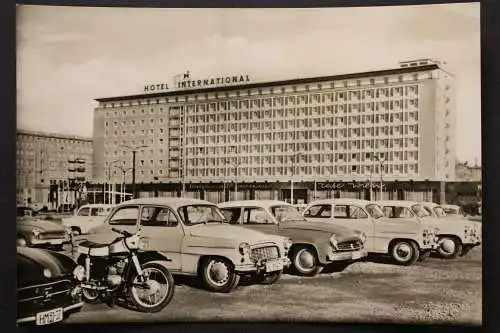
pixel 439 211
pixel 286 213
pixel 200 214
pixel 375 211
pixel 419 210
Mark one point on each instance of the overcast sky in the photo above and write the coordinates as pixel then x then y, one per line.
pixel 69 56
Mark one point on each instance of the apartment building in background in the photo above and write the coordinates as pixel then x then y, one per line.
pixel 46 165
pixel 396 126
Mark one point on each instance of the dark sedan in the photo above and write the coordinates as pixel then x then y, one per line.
pixel 47 291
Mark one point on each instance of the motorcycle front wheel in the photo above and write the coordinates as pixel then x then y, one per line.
pixel 153 294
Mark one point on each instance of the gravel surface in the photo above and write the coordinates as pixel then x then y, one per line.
pixel 434 291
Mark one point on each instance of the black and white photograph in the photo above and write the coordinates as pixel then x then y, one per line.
pixel 236 164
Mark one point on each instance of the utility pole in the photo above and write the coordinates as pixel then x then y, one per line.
pixel 381 162
pixel 134 150
pixel 293 174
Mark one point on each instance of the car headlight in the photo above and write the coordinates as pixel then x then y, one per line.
pixel 425 232
pixel 37 231
pixel 79 272
pixel 287 244
pixel 467 229
pixel 143 243
pixel 436 230
pixel 244 249
pixel 334 241
pixel 363 237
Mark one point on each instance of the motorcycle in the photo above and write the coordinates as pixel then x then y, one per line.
pixel 124 269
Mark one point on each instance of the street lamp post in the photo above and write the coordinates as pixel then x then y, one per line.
pixel 294 162
pixel 134 150
pixel 124 172
pixel 109 181
pixel 381 162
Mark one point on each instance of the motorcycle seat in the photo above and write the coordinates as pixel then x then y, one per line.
pixel 93 249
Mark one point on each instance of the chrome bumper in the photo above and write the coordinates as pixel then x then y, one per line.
pixel 259 266
pixel 56 241
pixel 349 255
pixel 66 309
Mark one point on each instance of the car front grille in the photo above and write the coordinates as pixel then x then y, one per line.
pixel 44 292
pixel 350 245
pixel 264 253
pixel 52 235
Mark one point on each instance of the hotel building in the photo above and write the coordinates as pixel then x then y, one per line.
pixel 46 165
pixel 332 135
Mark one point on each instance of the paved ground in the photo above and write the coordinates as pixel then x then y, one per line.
pixel 435 291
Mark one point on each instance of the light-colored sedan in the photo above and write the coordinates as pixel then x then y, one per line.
pixel 457 235
pixel 195 236
pixel 315 245
pixel 87 217
pixel 403 237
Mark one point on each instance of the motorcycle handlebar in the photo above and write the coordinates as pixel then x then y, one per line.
pixel 122 232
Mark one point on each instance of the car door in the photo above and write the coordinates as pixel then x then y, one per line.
pixel 80 219
pixel 258 218
pixel 356 218
pixel 164 232
pixel 124 218
pixel 392 225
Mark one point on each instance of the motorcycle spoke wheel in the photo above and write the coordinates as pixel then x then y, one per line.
pixel 156 290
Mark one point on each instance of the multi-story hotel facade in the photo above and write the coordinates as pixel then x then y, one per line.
pixel 332 135
pixel 46 165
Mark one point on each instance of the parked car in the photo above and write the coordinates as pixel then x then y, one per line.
pixel 405 239
pixel 457 235
pixel 32 231
pixel 194 235
pixel 65 208
pixel 453 210
pixel 38 206
pixel 314 245
pixel 47 291
pixel 87 217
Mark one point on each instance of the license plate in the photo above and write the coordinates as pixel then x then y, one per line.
pixel 273 266
pixel 356 255
pixel 49 317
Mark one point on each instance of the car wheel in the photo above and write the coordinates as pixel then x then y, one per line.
pixel 218 275
pixel 405 252
pixel 90 296
pixel 305 262
pixel 449 247
pixel 269 278
pixel 22 241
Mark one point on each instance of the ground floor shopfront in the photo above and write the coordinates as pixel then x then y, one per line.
pixel 303 192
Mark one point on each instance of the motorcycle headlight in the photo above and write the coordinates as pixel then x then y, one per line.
pixel 334 242
pixel 143 243
pixel 79 272
pixel 132 242
pixel 244 249
pixel 37 231
pixel 287 243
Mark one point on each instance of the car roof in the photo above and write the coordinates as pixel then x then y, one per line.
pixel 430 204
pixel 174 202
pixel 341 201
pixel 451 206
pixel 403 203
pixel 97 205
pixel 251 203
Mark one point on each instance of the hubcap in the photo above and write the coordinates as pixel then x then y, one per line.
pixel 90 294
pixel 21 242
pixel 218 272
pixel 448 246
pixel 403 251
pixel 305 260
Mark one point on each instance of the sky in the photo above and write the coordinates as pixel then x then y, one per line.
pixel 68 56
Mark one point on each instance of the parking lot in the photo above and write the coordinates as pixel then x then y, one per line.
pixel 435 291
